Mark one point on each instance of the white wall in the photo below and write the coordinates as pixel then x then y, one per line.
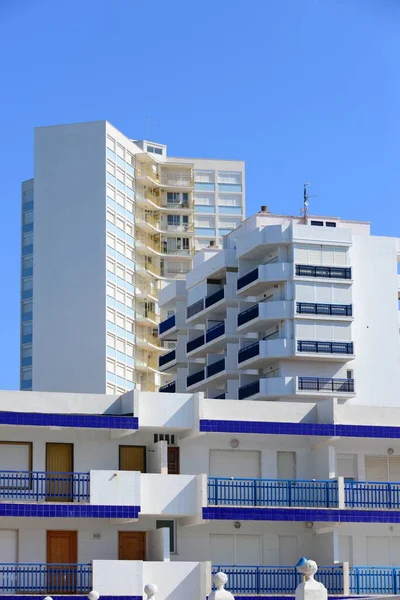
pixel 69 258
pixel 169 495
pixel 118 488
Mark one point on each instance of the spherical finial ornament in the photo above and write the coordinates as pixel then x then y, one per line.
pixel 150 589
pixel 93 595
pixel 220 579
pixel 47 598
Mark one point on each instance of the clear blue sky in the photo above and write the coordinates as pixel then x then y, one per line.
pixel 300 89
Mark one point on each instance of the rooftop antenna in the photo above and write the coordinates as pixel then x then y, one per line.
pixel 306 198
pixel 148 127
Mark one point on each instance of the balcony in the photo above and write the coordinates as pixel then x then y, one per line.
pixel 267 388
pixel 169 388
pixel 323 272
pixel 335 350
pixel 42 578
pixel 264 351
pixel 166 325
pixel 204 342
pixel 261 278
pixel 40 486
pixel 216 368
pixel 166 359
pixel 337 310
pixel 204 304
pixel 258 317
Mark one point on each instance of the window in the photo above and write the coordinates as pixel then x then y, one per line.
pixel 204 176
pixel 129 205
pixel 120 370
pixel 110 389
pixel 185 197
pixel 232 177
pixel 129 158
pixel 26 375
pixel 26 352
pixel 129 181
pixel 129 301
pixel 129 276
pixel 110 240
pixel 110 315
pixel 110 340
pixel 27 329
pixel 185 220
pixel 120 247
pixel 120 296
pixel 120 175
pixel 28 239
pixel 110 142
pixel 120 321
pixel 111 217
pixel 129 228
pixel 129 374
pixel 185 243
pixel 169 524
pixel 27 263
pixel 230 200
pixel 120 151
pixel 110 192
pixel 28 196
pixel 120 272
pixel 205 199
pixel 110 167
pixel 330 224
pixel 129 325
pixel 349 374
pixel 110 265
pixel 28 217
pixel 27 284
pixel 129 252
pixel 110 290
pixel 120 199
pixel 120 345
pixel 27 307
pixel 120 223
pixel 110 366
pixel 154 150
pixel 129 349
pixel 173 197
pixel 317 223
pixel 173 220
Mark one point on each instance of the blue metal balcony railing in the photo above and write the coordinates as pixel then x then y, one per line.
pixel 195 308
pixel 214 298
pixel 166 358
pixel 247 315
pixel 325 347
pixel 216 367
pixel 24 578
pixel 247 278
pixel 204 303
pixel 374 580
pixel 249 579
pixel 322 384
pixel 249 352
pixel 312 308
pixel 220 396
pixel 168 387
pixel 215 332
pixel 249 390
pixel 272 492
pixel 329 272
pixel 167 324
pixel 370 494
pixel 42 485
pixel 194 344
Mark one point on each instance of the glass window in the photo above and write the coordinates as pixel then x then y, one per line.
pixel 110 192
pixel 204 198
pixel 120 223
pixel 120 370
pixel 27 196
pixel 120 321
pixel 204 176
pixel 120 247
pixel 173 220
pixel 129 349
pixel 27 284
pixel 28 239
pixel 129 276
pixel 230 200
pixel 27 263
pixel 26 352
pixel 129 374
pixel 110 167
pixel 185 219
pixel 120 296
pixel 27 307
pixel 27 329
pixel 120 174
pixel 28 217
pixel 120 272
pixel 234 177
pixel 110 315
pixel 129 205
pixel 129 301
pixel 120 151
pixel 129 158
pixel 110 240
pixel 173 197
pixel 110 340
pixel 154 150
pixel 110 265
pixel 129 228
pixel 26 374
pixel 110 389
pixel 129 252
pixel 111 216
pixel 120 345
pixel 129 181
pixel 110 142
pixel 110 366
pixel 110 290
pixel 129 325
pixel 120 199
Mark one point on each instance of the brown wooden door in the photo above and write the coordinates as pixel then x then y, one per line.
pixel 62 552
pixel 59 466
pixel 132 458
pixel 173 460
pixel 132 545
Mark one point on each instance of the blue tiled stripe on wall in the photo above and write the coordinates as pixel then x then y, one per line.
pixel 319 429
pixel 300 514
pixel 67 511
pixel 62 420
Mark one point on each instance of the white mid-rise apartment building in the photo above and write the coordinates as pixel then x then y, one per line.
pixel 106 222
pixel 111 492
pixel 292 308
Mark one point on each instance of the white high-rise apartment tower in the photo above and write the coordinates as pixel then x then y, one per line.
pixel 106 222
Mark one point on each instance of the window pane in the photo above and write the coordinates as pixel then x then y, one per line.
pixel 110 340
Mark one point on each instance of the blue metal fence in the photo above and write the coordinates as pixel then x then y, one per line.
pixel 166 358
pixel 167 324
pixel 370 494
pixel 272 492
pixel 249 579
pixel 41 578
pixel 374 580
pixel 247 278
pixel 168 387
pixel 42 485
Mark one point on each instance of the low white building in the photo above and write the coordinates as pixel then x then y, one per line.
pixel 293 308
pixel 111 493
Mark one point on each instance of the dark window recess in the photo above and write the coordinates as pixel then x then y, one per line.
pixel 171 526
pixel 330 224
pixel 317 223
pixel 167 437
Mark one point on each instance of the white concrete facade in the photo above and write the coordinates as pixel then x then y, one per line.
pixel 106 222
pixel 288 310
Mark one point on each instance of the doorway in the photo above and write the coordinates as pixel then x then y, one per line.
pixel 62 551
pixel 173 460
pixel 131 545
pixel 59 469
pixel 132 458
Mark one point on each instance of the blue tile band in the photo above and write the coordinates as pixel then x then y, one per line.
pixel 300 514
pixel 67 597
pixel 68 420
pixel 317 429
pixel 67 511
